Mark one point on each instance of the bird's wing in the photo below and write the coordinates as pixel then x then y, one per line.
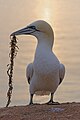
pixel 61 73
pixel 29 72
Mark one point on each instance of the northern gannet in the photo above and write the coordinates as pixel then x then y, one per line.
pixel 46 72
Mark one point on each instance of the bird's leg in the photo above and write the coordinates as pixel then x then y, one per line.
pixel 51 102
pixel 51 99
pixel 31 99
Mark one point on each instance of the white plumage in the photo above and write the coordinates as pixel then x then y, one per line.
pixel 46 72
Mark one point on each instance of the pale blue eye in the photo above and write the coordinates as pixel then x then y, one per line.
pixel 32 27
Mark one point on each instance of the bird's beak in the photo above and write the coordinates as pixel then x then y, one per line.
pixel 23 31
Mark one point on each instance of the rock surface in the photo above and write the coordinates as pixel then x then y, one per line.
pixel 64 111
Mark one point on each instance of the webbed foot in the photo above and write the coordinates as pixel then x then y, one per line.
pixel 52 103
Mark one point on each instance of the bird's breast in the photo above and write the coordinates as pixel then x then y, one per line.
pixel 46 64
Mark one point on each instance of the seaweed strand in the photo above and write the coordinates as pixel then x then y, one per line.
pixel 12 55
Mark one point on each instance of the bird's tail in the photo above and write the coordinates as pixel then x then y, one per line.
pixel 41 93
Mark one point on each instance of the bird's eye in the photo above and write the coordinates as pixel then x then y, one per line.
pixel 32 27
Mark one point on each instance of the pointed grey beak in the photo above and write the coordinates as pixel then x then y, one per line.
pixel 23 31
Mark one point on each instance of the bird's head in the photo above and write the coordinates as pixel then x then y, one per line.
pixel 38 29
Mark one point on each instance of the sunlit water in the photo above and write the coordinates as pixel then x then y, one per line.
pixel 64 16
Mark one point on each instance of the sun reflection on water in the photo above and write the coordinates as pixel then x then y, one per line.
pixel 64 18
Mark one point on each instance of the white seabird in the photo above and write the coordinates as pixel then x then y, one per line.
pixel 46 72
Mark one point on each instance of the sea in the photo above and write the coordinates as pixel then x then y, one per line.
pixel 64 17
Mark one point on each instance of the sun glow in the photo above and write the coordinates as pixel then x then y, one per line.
pixel 44 9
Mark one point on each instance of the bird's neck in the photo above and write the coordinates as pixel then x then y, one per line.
pixel 45 43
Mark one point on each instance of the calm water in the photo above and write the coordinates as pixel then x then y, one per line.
pixel 64 16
